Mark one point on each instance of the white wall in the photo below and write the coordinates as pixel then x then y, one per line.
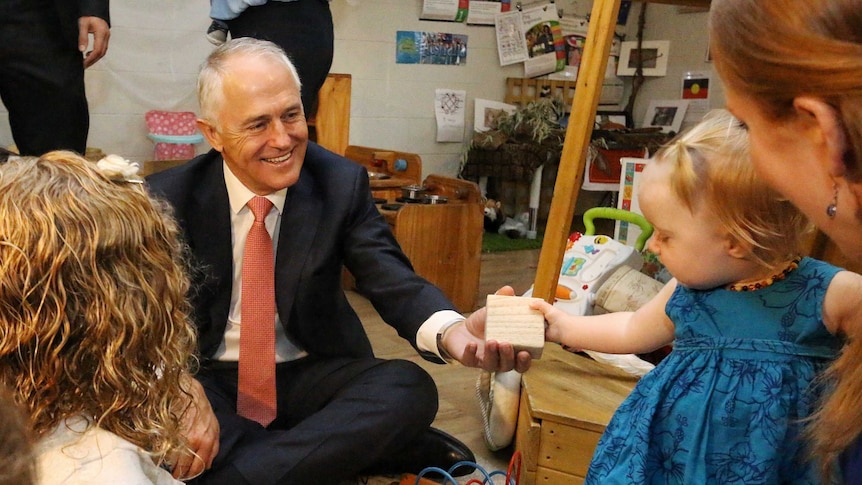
pixel 157 45
pixel 393 104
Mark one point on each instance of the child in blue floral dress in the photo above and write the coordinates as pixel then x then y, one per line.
pixel 752 325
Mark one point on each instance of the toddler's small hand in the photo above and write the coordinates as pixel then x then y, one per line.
pixel 552 334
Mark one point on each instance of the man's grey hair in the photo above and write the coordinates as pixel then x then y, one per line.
pixel 213 70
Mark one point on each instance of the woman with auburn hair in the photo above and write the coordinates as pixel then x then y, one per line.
pixel 792 71
pixel 95 338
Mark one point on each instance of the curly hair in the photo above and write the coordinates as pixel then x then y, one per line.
pixel 711 164
pixel 94 319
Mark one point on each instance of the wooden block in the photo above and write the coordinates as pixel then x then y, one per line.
pixel 510 319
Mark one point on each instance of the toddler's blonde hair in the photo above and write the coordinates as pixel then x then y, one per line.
pixel 711 166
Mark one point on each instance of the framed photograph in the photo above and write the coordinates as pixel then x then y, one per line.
pixel 486 111
pixel 653 56
pixel 666 114
pixel 618 117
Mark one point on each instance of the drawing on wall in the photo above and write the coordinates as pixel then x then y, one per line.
pixel 449 112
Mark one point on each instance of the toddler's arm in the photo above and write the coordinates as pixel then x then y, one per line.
pixel 637 332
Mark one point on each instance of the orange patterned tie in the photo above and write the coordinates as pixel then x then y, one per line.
pixel 256 388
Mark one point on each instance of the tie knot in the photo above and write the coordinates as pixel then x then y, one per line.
pixel 260 207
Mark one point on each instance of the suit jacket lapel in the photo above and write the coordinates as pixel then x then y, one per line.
pixel 302 208
pixel 208 223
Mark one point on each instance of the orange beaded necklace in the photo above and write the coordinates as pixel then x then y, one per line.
pixel 766 282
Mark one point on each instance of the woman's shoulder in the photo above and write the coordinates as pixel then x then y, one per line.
pixel 811 264
pixel 842 306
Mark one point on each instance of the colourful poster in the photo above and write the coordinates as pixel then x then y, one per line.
pixel 412 47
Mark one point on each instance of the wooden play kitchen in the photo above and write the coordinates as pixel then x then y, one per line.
pixel 437 221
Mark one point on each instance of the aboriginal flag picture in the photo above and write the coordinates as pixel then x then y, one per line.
pixel 696 88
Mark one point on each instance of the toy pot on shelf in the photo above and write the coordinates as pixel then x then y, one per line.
pixel 413 192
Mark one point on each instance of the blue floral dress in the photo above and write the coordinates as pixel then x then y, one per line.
pixel 725 406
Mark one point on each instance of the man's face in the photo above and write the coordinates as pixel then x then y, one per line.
pixel 261 129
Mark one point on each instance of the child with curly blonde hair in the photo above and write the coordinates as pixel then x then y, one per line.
pixel 752 326
pixel 95 338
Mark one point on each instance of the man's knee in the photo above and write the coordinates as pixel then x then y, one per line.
pixel 408 386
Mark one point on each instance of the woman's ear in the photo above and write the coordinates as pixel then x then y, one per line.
pixel 830 131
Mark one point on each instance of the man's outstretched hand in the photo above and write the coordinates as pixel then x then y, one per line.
pixel 465 342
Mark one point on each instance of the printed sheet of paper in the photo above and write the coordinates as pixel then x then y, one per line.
pixel 574 32
pixel 451 10
pixel 449 108
pixel 511 46
pixel 544 41
pixel 483 13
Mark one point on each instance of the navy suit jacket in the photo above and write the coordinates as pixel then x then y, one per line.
pixel 329 221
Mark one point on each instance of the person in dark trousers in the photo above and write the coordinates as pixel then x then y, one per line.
pixel 45 45
pixel 303 28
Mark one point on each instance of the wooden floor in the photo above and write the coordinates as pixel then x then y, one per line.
pixel 459 412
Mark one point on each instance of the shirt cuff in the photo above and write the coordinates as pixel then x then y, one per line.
pixel 426 337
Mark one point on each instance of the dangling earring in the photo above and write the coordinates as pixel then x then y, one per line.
pixel 832 208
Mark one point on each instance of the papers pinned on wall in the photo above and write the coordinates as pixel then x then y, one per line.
pixel 695 89
pixel 470 11
pixel 532 36
pixel 574 32
pixel 483 13
pixel 451 10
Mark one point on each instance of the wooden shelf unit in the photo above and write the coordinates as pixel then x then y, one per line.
pixel 520 90
pixel 442 241
pixel 567 401
pixel 330 127
pixel 444 244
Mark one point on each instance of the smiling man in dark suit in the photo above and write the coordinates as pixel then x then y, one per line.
pixel 337 411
